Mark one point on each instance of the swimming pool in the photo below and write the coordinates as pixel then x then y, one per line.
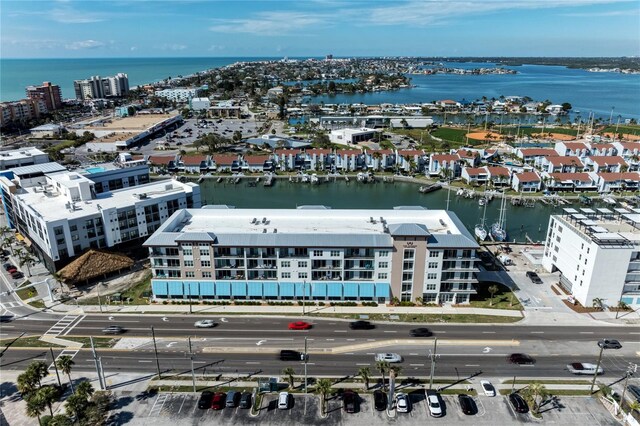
pixel 92 170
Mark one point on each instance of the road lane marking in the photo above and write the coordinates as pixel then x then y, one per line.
pixel 633 332
pixel 252 362
pixel 389 331
pixel 472 365
pixel 537 332
pixel 363 363
pixel 330 340
pixel 586 332
pixel 339 331
pixel 144 360
pixel 488 332
pixel 351 340
pixel 414 354
pixel 416 365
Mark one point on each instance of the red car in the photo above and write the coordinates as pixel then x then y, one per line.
pixel 218 401
pixel 299 325
pixel 12 270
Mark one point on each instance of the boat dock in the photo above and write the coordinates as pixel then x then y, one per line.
pixel 425 189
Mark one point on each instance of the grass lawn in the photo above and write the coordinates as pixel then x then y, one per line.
pixel 501 300
pixel 457 136
pixel 99 342
pixel 430 318
pixel 530 130
pixel 559 392
pixel 39 304
pixel 134 292
pixel 27 293
pixel 549 382
pixel 28 342
pixel 627 128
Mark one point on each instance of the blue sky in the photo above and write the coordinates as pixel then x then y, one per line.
pixel 147 28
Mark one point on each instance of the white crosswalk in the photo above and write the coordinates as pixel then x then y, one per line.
pixel 64 326
pixel 9 305
pixel 66 352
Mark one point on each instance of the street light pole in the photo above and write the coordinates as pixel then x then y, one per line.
pixel 304 296
pixel 433 362
pixel 305 365
pixel 595 374
pixel 155 349
pixel 55 366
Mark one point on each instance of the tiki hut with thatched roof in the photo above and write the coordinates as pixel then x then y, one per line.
pixel 94 264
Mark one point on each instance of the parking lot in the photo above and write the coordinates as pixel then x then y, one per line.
pixel 177 409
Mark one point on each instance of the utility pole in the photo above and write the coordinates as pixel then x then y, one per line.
pixel 155 349
pixel 306 357
pixel 632 368
pixel 513 384
pixel 95 360
pixel 433 356
pixel 55 366
pixel 304 296
pixel 190 304
pixel 595 374
pixel 193 374
pixel 99 299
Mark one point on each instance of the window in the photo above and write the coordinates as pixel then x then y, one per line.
pixel 189 274
pixel 407 276
pixel 187 252
pixel 383 265
pixel 407 265
pixel 335 253
pixel 173 262
pixel 73 228
pixel 302 264
pixel 317 253
pixel 205 263
pixel 302 275
pixel 434 254
pixel 559 228
pixel 206 274
pixel 430 287
pixel 409 253
pixel 558 238
pixel 286 275
pixel 204 250
pixel 286 264
pixel 188 263
pixel 383 253
pixel 383 276
pixel 433 265
pixel 432 276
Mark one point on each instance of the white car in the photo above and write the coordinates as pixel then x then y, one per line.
pixel 391 358
pixel 488 388
pixel 205 323
pixel 583 368
pixel 402 403
pixel 435 409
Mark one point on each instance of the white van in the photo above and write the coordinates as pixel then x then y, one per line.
pixel 283 401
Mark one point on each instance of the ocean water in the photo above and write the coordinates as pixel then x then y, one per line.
pixel 587 92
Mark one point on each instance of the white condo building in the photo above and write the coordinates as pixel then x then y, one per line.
pixel 177 95
pixel 313 252
pixel 597 252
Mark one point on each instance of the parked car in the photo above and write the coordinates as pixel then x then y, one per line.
pixel 433 401
pixel 245 400
pixel 634 391
pixel 467 404
pixel 534 277
pixel 350 401
pixel 518 403
pixel 7 266
pixel 6 318
pixel 232 400
pixel 380 400
pixel 207 323
pixel 403 404
pixel 299 325
pixel 289 355
pixel 583 368
pixel 421 332
pixel 488 388
pixel 283 401
pixel 390 357
pixel 521 359
pixel 113 329
pixel 361 325
pixel 17 275
pixel 218 401
pixel 205 400
pixel 12 269
pixel 609 344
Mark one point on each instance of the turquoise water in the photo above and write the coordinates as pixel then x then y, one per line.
pixel 92 170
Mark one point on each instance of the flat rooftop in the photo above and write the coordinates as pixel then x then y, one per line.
pixel 605 225
pixel 138 122
pixel 52 206
pixel 16 154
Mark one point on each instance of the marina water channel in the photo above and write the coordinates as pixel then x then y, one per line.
pixel 520 221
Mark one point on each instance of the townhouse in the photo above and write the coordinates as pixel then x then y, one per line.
pixel 526 182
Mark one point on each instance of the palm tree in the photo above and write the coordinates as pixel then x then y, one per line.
pixel 59 420
pixel 27 260
pixel 394 371
pixel 27 383
pixel 598 303
pixel 39 369
pixel 76 405
pixel 48 395
pixel 64 363
pixel 85 389
pixel 634 406
pixel 8 242
pixel 290 373
pixel 536 390
pixel 493 290
pixel 35 407
pixel 365 374
pixel 323 387
pixel 382 367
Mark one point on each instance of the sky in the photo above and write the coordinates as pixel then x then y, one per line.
pixel 273 28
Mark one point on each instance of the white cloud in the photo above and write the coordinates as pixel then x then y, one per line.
pixel 215 47
pixel 269 23
pixel 173 46
pixel 133 48
pixel 84 44
pixel 68 15
pixel 603 14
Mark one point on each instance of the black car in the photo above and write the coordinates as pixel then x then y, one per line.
pixel 350 401
pixel 521 359
pixel 7 266
pixel 6 318
pixel 380 400
pixel 421 332
pixel 609 344
pixel 467 404
pixel 289 355
pixel 634 391
pixel 17 275
pixel 205 400
pixel 518 403
pixel 534 277
pixel 361 325
pixel 245 400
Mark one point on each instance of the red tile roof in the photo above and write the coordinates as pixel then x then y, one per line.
pixel 581 177
pixel 607 160
pixel 575 146
pixel 445 157
pixel 538 152
pixel 318 151
pixel 160 159
pixel 612 177
pixel 498 171
pixel 193 160
pixel 410 152
pixel 224 159
pixel 557 160
pixel 465 153
pixel 475 171
pixel 256 159
pixel 528 177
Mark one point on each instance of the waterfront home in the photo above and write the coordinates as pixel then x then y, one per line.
pixel 448 104
pixel 555 110
pixel 194 163
pixel 159 163
pixel 412 160
pixel 530 107
pixel 558 164
pixel 603 149
pixel 534 156
pixel 444 164
pixel 572 149
pixel 346 159
pixel 476 176
pixel 570 181
pixel 627 150
pixel 470 156
pixel 499 176
pixel 383 159
pixel 526 182
pixel 226 163
pixel 611 164
pixel 607 182
pixel 258 163
pixel 318 158
pixel 285 158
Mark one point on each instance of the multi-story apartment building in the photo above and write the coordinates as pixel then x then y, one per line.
pixel 49 93
pixel 597 253
pixel 98 87
pixel 62 214
pixel 22 110
pixel 178 95
pixel 315 253
pixel 22 157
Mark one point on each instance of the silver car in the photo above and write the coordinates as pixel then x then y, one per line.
pixel 207 323
pixel 390 357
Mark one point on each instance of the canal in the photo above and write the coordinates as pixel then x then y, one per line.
pixel 521 221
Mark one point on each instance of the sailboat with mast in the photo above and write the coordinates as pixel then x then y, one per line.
pixel 480 229
pixel 498 229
